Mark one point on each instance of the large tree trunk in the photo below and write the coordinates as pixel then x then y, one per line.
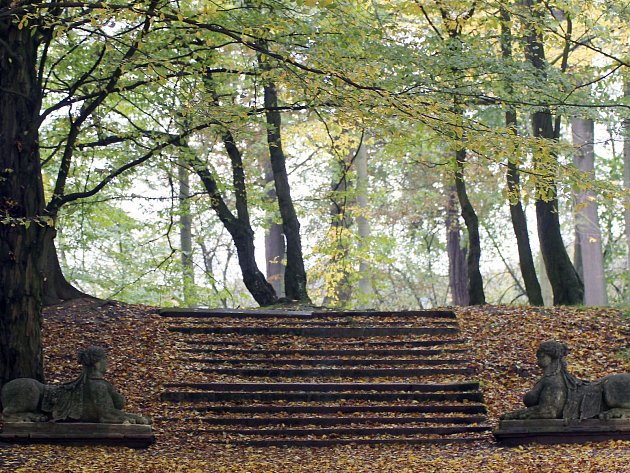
pixel 457 269
pixel 22 233
pixel 295 273
pixel 476 295
pixel 565 282
pixel 567 286
pixel 517 213
pixel 587 229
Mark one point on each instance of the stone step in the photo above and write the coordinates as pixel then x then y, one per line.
pixel 306 443
pixel 327 362
pixel 349 431
pixel 341 343
pixel 327 421
pixel 342 409
pixel 324 332
pixel 223 396
pixel 296 314
pixel 320 323
pixel 324 352
pixel 339 372
pixel 330 387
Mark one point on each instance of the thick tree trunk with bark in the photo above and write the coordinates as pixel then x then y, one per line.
pixel 295 273
pixel 587 229
pixel 22 232
pixel 567 286
pixel 476 295
pixel 565 282
pixel 457 268
pixel 517 213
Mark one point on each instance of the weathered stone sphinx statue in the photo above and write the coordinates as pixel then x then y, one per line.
pixel 560 395
pixel 87 399
pixel 562 408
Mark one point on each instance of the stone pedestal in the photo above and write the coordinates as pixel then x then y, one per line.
pixel 78 433
pixel 551 431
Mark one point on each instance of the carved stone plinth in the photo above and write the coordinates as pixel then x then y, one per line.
pixel 131 435
pixel 550 431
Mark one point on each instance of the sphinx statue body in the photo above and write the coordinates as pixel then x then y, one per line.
pixel 560 395
pixel 89 398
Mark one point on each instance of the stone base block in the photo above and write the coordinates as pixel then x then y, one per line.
pixel 551 431
pixel 78 433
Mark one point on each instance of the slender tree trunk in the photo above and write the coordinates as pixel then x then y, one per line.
pixel 476 295
pixel 545 285
pixel 275 247
pixel 587 228
pixel 338 288
pixel 363 224
pixel 238 226
pixel 517 213
pixel 185 235
pixel 457 269
pixel 22 235
pixel 567 286
pixel 626 182
pixel 295 273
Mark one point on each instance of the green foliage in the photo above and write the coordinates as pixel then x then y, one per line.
pixel 393 69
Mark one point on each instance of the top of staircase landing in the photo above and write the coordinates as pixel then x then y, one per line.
pixel 300 314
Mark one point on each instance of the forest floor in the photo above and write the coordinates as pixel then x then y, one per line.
pixel 503 340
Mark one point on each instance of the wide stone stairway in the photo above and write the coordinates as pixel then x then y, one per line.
pixel 271 377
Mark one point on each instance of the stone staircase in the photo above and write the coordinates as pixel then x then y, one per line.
pixel 271 377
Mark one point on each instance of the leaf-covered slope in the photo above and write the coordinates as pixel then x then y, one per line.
pixel 504 341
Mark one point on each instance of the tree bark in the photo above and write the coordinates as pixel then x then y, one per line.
pixel 626 182
pixel 457 269
pixel 567 286
pixel 275 248
pixel 295 273
pixel 587 228
pixel 363 224
pixel 517 213
pixel 476 294
pixel 22 232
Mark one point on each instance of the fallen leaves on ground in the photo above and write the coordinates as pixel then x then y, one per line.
pixel 143 357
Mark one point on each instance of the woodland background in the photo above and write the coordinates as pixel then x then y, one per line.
pixel 362 154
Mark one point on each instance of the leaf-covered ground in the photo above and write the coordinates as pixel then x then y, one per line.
pixel 503 340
